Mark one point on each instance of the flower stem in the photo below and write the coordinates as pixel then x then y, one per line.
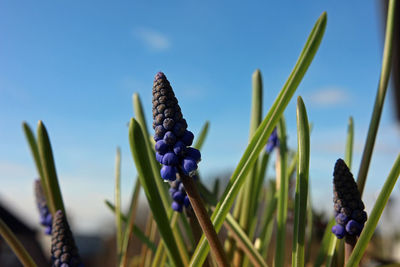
pixel 204 220
pixel 350 243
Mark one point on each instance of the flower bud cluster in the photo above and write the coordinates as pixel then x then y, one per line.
pixel 64 252
pixel 349 208
pixel 179 196
pixel 45 215
pixel 173 140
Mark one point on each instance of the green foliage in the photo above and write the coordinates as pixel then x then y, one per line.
pixel 258 205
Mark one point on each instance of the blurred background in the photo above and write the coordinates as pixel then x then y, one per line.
pixel 76 64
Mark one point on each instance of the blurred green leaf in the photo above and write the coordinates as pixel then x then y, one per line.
pixel 202 136
pixel 36 157
pixel 130 226
pixel 247 245
pixel 283 194
pixel 162 188
pixel 326 244
pixel 55 200
pixel 379 99
pixel 142 160
pixel 303 138
pixel 118 202
pixel 136 230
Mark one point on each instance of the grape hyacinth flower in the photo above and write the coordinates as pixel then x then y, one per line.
pixel 64 252
pixel 273 141
pixel 45 215
pixel 179 196
pixel 173 140
pixel 349 208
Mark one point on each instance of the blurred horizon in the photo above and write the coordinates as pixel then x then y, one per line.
pixel 75 65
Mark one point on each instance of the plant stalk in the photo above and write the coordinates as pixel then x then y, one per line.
pixel 204 220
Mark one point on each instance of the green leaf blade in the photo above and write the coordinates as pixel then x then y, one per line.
pixel 261 136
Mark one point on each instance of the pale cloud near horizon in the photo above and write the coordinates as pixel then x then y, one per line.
pixel 153 39
pixel 329 96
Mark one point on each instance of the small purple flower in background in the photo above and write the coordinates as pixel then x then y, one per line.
pixel 45 215
pixel 178 195
pixel 173 140
pixel 349 208
pixel 273 141
pixel 64 252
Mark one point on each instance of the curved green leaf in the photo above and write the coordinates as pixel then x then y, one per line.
pixel 260 137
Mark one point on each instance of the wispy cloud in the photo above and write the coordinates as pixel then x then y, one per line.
pixel 329 96
pixel 153 39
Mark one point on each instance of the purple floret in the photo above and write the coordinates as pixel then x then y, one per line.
pixel 273 141
pixel 161 147
pixel 170 159
pixel 339 231
pixel 189 165
pixel 168 173
pixel 353 227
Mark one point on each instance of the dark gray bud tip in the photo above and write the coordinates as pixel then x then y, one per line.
pixel 349 208
pixel 166 111
pixel 63 249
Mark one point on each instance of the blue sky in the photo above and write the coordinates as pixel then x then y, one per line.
pixel 75 65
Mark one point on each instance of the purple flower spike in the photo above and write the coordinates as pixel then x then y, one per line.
pixel 189 165
pixel 339 231
pixel 170 159
pixel 353 227
pixel 161 147
pixel 168 173
pixel 173 140
pixel 63 248
pixel 47 230
pixel 187 138
pixel 45 215
pixel 176 206
pixel 348 205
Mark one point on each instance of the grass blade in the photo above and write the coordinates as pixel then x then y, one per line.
pixel 130 226
pixel 349 143
pixel 118 203
pixel 248 200
pixel 379 99
pixel 375 215
pixel 55 200
pixel 202 136
pixel 303 133
pixel 15 245
pixel 283 193
pixel 141 157
pixel 136 230
pixel 244 242
pixel 261 136
pixel 35 154
pixel 326 244
pixel 162 189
